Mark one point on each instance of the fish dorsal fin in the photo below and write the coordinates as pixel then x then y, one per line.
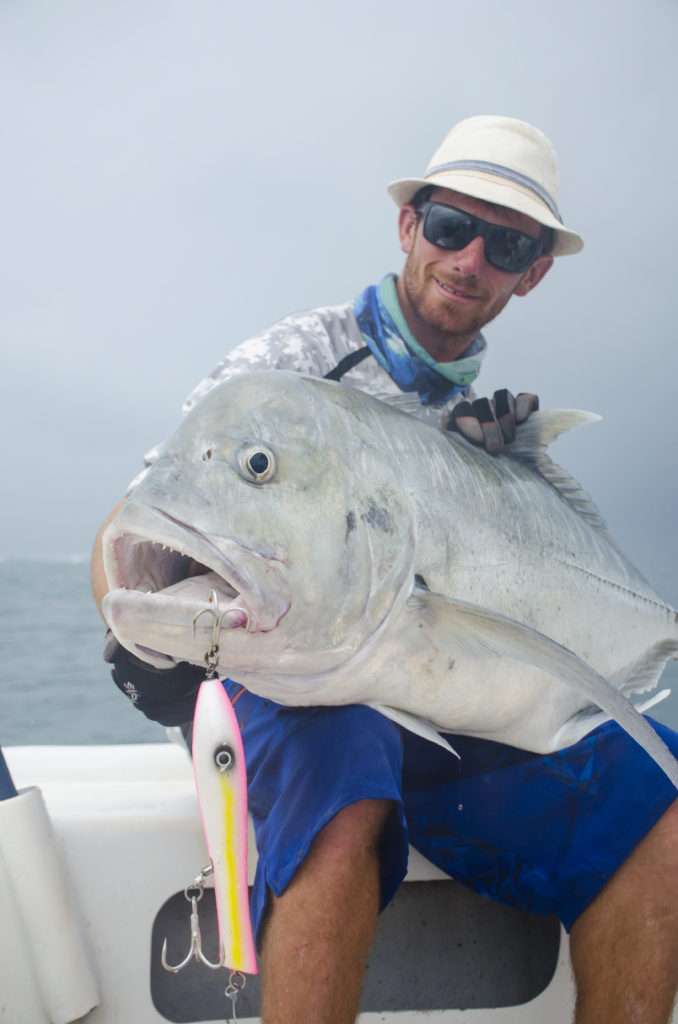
pixel 533 438
pixel 542 428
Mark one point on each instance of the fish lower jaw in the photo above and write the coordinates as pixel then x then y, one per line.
pixel 169 589
pixel 166 629
pixel 210 592
pixel 206 593
pixel 181 623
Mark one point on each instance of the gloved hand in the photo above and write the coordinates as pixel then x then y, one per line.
pixel 491 423
pixel 164 695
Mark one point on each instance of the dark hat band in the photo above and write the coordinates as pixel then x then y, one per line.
pixel 498 170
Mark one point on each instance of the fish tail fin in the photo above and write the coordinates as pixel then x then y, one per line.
pixel 640 676
pixel 643 674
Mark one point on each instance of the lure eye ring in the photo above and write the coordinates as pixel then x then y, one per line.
pixel 257 463
pixel 224 758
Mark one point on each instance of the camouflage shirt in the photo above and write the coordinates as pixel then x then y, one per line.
pixel 311 342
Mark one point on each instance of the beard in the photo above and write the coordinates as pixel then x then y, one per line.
pixel 449 319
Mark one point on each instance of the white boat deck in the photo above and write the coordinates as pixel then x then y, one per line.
pixel 126 823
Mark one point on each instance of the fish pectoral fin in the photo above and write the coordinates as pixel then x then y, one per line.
pixel 419 726
pixel 449 623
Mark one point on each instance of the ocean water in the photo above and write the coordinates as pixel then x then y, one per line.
pixel 54 686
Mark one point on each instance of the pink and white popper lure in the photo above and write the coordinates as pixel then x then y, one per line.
pixel 221 783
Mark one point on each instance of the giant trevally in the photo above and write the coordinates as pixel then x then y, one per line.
pixel 361 555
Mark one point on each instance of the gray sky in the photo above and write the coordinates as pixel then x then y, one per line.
pixel 175 176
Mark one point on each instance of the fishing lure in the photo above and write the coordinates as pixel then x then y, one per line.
pixel 221 784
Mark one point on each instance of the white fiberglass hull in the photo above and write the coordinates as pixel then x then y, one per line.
pixel 126 822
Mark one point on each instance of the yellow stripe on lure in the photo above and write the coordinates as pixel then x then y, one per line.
pixel 221 783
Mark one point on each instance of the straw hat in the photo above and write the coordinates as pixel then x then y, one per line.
pixel 503 161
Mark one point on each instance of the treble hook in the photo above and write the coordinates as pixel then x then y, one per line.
pixel 195 949
pixel 213 610
pixel 212 654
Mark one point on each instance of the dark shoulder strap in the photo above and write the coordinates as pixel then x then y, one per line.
pixel 347 363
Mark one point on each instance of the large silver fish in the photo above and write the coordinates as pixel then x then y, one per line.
pixel 362 555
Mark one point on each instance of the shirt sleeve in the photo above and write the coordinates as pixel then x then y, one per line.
pixel 301 342
pixel 310 342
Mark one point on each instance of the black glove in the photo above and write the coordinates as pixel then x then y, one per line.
pixel 491 423
pixel 165 695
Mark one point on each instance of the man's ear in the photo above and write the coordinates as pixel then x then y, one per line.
pixel 407 227
pixel 534 274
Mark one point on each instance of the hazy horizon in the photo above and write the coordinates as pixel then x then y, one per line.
pixel 177 177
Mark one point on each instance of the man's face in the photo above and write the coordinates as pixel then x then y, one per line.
pixel 455 293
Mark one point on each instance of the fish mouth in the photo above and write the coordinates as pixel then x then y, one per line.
pixel 159 560
pixel 155 565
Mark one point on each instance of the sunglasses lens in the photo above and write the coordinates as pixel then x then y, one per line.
pixel 505 248
pixel 511 250
pixel 448 228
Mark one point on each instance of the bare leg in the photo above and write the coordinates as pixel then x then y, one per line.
pixel 625 945
pixel 319 931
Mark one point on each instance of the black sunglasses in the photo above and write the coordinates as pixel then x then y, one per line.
pixel 505 248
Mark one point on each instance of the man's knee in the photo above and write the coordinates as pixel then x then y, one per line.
pixel 643 885
pixel 353 834
pixel 660 845
pixel 667 826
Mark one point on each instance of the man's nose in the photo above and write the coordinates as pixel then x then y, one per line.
pixel 470 259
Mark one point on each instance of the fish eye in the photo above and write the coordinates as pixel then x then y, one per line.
pixel 257 463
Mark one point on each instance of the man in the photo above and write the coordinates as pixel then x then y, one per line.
pixel 337 792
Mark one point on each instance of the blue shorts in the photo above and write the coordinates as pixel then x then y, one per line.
pixel 541 832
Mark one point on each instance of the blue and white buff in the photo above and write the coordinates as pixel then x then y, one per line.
pixel 386 332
